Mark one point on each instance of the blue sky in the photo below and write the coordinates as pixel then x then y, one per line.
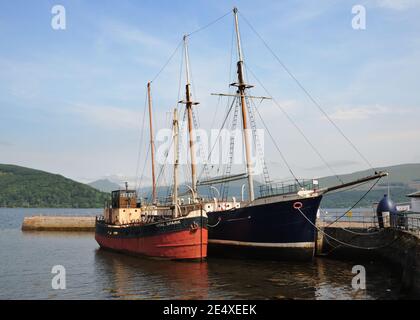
pixel 71 101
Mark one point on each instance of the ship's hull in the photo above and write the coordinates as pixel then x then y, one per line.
pixel 176 239
pixel 276 230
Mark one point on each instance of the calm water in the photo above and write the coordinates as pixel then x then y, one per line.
pixel 26 260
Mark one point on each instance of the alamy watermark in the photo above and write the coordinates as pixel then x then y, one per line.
pixel 58 282
pixel 213 147
pixel 359 280
pixel 359 20
pixel 58 20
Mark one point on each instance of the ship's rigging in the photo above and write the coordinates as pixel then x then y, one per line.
pixel 240 104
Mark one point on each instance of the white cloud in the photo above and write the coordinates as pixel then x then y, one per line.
pixel 399 135
pixel 364 112
pixel 4 143
pixel 120 32
pixel 108 116
pixel 335 164
pixel 398 4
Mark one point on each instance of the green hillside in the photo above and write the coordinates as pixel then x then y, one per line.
pixel 403 179
pixel 347 199
pixel 24 187
pixel 399 175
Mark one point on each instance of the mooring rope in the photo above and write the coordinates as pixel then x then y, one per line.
pixel 341 242
pixel 352 207
pixel 362 233
pixel 215 225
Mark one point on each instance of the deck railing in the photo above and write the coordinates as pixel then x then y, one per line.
pixel 410 224
pixel 402 221
pixel 286 187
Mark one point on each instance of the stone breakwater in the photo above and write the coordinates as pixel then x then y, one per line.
pixel 58 223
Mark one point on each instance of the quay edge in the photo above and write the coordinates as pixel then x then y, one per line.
pixel 59 223
pixel 398 247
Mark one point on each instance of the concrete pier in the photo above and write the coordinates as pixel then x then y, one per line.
pixel 59 223
pixel 399 247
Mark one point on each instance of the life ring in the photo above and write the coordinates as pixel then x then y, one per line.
pixel 194 226
pixel 297 205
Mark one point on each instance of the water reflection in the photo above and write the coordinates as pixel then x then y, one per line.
pixel 146 278
pixel 143 278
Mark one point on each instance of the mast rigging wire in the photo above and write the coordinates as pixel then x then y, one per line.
pixel 209 24
pixel 171 57
pixel 218 135
pixel 295 125
pixel 277 147
pixel 144 167
pixel 308 94
pixel 181 42
pixel 259 150
pixel 167 61
pixel 141 142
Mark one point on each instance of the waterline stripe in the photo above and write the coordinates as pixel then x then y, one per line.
pixel 263 244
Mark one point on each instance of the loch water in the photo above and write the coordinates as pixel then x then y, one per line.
pixel 27 259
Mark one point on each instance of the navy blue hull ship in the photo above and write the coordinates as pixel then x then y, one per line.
pixel 272 230
pixel 278 226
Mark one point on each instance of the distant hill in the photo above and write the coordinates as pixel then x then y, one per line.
pixel 403 179
pixel 234 189
pixel 104 185
pixel 399 175
pixel 24 187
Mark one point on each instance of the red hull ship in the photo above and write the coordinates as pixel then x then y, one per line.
pixel 152 231
pixel 177 245
pixel 174 231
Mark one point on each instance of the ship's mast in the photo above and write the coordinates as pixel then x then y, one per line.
pixel 176 161
pixel 152 143
pixel 241 90
pixel 189 103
